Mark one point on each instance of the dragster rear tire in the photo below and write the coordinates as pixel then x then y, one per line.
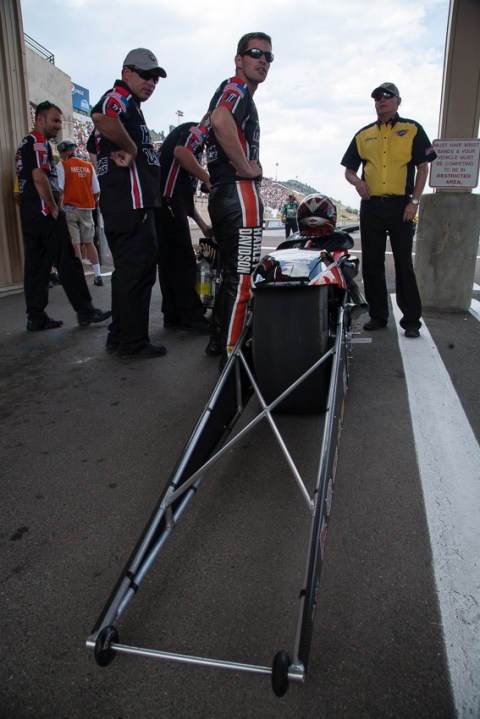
pixel 290 333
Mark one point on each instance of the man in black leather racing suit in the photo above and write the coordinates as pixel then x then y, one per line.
pixel 235 207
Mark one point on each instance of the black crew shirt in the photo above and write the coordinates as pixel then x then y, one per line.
pixel 135 187
pixel 34 152
pixel 176 182
pixel 233 94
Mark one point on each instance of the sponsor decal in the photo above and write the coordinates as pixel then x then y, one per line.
pixel 230 99
pixel 328 498
pixel 80 171
pixel 323 537
pixel 151 155
pixel 212 153
pixel 249 249
pixel 335 462
pixel 102 166
pixel 80 97
pixel 236 88
pixel 401 133
pixel 146 139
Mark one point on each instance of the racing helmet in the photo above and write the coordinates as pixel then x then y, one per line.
pixel 316 215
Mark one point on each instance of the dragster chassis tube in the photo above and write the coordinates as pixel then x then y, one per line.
pixel 180 491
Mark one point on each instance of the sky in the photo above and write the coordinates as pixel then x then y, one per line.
pixel 329 56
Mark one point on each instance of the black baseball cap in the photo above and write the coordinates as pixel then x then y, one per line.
pixel 386 87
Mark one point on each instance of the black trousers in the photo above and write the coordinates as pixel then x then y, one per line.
pixel 177 266
pixel 132 240
pixel 236 211
pixel 47 242
pixel 377 219
pixel 290 226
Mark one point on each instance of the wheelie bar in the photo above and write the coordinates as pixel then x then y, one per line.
pixel 210 440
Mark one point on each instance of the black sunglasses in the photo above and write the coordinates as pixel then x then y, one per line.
pixel 256 53
pixel 144 74
pixel 384 94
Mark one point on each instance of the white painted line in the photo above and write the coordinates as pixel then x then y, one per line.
pixel 476 288
pixel 448 458
pixel 475 309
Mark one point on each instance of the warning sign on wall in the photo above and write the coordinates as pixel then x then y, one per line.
pixel 457 163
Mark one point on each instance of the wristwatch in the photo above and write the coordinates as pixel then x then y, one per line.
pixel 415 202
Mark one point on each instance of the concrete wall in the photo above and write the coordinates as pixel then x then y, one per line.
pixel 447 245
pixel 13 120
pixel 449 221
pixel 47 82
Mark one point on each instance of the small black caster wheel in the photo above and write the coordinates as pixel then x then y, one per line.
pixel 104 654
pixel 281 664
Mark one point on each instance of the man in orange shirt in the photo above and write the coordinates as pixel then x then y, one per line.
pixel 78 182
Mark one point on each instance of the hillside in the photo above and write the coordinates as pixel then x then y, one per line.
pixel 300 190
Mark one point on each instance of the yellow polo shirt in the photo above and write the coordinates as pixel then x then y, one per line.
pixel 389 153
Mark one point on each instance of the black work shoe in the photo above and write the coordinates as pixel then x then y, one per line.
pixel 412 332
pixel 147 352
pixel 98 281
pixel 95 315
pixel 202 326
pixel 43 323
pixel 54 278
pixel 214 347
pixel 374 323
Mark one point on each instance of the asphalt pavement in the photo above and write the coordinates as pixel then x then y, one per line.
pixel 88 443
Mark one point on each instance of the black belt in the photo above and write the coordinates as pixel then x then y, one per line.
pixel 386 198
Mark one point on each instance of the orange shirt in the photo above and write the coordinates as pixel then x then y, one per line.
pixel 79 183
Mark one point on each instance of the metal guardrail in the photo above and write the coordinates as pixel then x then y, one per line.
pixel 42 51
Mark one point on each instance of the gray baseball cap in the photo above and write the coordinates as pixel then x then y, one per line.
pixel 387 87
pixel 65 145
pixel 145 60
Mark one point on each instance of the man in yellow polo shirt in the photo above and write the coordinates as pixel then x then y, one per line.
pixel 394 153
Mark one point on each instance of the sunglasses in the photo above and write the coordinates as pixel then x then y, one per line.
pixel 256 53
pixel 144 74
pixel 383 95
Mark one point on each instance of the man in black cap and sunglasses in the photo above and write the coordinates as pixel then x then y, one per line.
pixel 235 206
pixel 128 170
pixel 394 153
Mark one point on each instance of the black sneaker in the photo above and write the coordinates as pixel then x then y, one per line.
pixel 147 352
pixel 214 347
pixel 54 278
pixel 98 281
pixel 43 323
pixel 412 332
pixel 95 315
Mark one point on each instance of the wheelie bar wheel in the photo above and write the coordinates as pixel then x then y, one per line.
pixel 281 664
pixel 104 654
